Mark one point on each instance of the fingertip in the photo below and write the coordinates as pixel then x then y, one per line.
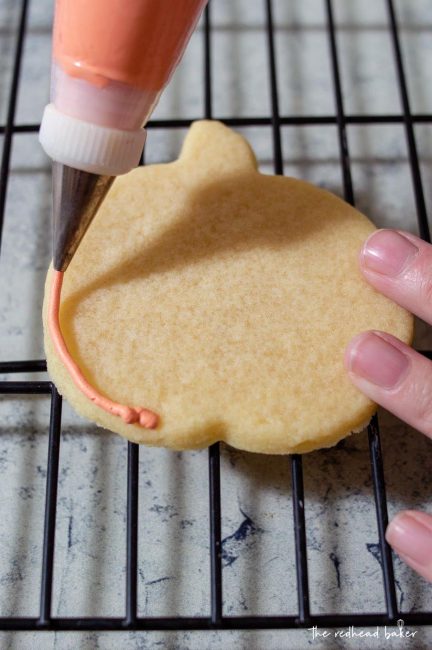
pixel 395 526
pixel 365 246
pixel 375 359
pixel 351 350
pixel 411 537
pixel 418 241
pixel 388 253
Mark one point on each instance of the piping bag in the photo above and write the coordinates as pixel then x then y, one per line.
pixel 111 60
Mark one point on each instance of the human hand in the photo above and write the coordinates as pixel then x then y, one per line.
pixel 391 373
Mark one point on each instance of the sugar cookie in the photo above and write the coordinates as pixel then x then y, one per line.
pixel 222 299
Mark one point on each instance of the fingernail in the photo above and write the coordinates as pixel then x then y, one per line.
pixel 376 360
pixel 411 538
pixel 388 252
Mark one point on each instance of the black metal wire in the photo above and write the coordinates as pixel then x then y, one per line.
pixel 208 108
pixel 216 619
pixel 340 114
pixel 215 517
pixel 76 624
pixel 50 508
pixel 373 428
pixel 382 517
pixel 296 461
pixel 38 365
pixel 25 387
pixel 285 120
pixel 9 126
pixel 132 535
pixel 215 536
pixel 409 128
pixel 275 119
pixel 300 538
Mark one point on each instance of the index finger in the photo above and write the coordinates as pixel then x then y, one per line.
pixel 399 265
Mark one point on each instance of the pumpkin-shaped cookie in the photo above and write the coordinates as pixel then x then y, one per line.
pixel 222 299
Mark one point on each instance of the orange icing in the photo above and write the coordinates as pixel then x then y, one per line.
pixel 130 415
pixel 137 42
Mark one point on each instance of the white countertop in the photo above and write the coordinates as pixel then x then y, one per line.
pixel 258 552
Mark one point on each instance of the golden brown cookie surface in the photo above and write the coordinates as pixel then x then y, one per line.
pixel 222 299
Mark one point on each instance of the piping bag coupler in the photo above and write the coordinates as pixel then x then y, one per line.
pixel 87 155
pixel 111 61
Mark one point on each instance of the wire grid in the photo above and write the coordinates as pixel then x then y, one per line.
pixel 217 619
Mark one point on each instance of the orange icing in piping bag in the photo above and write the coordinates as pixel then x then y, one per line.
pixel 137 42
pixel 130 415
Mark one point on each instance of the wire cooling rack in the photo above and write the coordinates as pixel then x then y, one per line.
pixel 216 619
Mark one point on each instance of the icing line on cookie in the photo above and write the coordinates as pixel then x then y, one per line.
pixel 144 417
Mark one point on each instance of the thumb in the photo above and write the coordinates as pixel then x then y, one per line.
pixel 410 535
